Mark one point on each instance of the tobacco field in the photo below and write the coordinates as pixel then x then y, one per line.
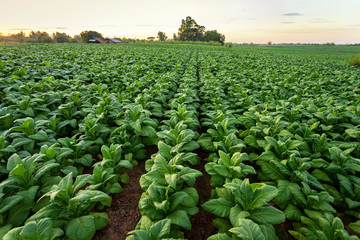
pixel 147 142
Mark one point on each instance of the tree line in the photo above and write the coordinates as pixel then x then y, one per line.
pixel 189 30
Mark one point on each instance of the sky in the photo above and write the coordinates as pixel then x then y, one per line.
pixel 242 21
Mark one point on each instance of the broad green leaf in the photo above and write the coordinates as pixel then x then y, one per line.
pixel 40 136
pixel 220 207
pixel 355 226
pixel 101 219
pixel 219 236
pixel 262 195
pixel 267 215
pixel 224 159
pixel 171 179
pixel 160 229
pixel 41 230
pixel 236 213
pixel 81 228
pixel 180 218
pixel 92 196
pixel 248 230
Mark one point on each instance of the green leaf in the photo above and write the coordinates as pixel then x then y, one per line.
pixel 220 207
pixel 171 179
pixel 297 193
pixel 101 219
pixel 160 229
pixel 267 215
pixel 293 144
pixel 284 194
pixel 236 213
pixel 18 142
pixel 81 228
pixel 292 212
pixel 191 146
pixel 222 171
pixel 164 149
pixel 262 195
pixel 40 136
pixel 251 141
pixel 9 202
pixel 4 230
pixel 51 211
pixel 180 218
pixel 40 230
pixel 267 156
pixel 248 230
pixel 206 143
pixel 80 181
pixel 222 224
pixel 297 235
pixel 12 162
pixel 192 197
pixel 92 196
pixel 148 131
pixel 224 159
pixel 219 236
pixel 321 175
pixel 355 226
pixel 188 175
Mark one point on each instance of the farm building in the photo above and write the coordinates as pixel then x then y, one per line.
pixel 96 40
pixel 112 40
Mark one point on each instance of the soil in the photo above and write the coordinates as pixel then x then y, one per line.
pixel 282 230
pixel 124 212
pixel 202 222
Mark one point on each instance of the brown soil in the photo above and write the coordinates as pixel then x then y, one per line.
pixel 202 223
pixel 124 213
pixel 282 230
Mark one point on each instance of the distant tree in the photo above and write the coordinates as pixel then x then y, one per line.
pixel 175 37
pixel 19 37
pixel 61 37
pixel 161 36
pixel 87 35
pixel 45 39
pixel 214 36
pixel 41 37
pixel 190 30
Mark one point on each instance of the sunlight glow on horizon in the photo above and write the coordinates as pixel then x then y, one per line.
pixel 257 21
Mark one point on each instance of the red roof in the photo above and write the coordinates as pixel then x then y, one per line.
pixel 99 40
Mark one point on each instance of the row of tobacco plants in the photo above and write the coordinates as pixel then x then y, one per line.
pixel 281 133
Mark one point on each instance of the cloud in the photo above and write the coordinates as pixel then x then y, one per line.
pixel 319 20
pixel 292 14
pixel 287 22
pixel 60 28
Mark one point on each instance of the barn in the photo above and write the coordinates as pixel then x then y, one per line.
pixel 96 40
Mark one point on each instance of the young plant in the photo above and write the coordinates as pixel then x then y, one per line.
pixel 245 208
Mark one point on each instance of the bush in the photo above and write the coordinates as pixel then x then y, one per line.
pixel 355 61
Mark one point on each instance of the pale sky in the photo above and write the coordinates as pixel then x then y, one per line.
pixel 257 21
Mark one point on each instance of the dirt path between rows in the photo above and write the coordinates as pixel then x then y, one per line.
pixel 202 225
